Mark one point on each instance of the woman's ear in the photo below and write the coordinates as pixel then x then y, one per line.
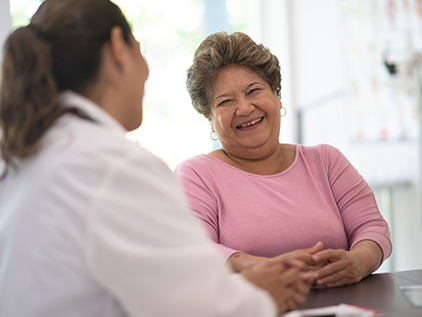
pixel 118 49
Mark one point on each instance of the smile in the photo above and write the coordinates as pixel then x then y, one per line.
pixel 249 124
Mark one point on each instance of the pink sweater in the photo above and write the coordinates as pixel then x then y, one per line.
pixel 320 197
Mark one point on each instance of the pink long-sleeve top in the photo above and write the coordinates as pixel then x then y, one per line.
pixel 320 197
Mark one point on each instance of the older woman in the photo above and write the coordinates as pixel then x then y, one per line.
pixel 259 198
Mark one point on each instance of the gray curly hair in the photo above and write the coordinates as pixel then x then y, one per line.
pixel 219 50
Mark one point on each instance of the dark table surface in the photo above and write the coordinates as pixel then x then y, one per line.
pixel 377 291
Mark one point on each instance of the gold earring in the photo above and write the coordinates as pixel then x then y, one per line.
pixel 285 112
pixel 211 136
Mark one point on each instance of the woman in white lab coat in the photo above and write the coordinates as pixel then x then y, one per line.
pixel 92 224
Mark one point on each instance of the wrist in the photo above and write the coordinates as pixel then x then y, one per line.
pixel 240 261
pixel 369 254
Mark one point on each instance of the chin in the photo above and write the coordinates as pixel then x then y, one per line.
pixel 133 125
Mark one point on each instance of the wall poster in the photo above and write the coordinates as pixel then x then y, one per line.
pixel 383 45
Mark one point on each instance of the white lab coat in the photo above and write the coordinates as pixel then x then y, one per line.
pixel 95 225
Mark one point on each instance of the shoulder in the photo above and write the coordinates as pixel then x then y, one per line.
pixel 317 149
pixel 75 143
pixel 322 152
pixel 329 159
pixel 204 169
pixel 200 163
pixel 323 156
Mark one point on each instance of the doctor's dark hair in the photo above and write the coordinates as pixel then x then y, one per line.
pixel 60 49
pixel 219 50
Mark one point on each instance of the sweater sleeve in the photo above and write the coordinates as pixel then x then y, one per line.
pixel 203 201
pixel 356 202
pixel 146 248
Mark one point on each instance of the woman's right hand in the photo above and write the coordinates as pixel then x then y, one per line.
pixel 239 261
pixel 282 278
pixel 305 256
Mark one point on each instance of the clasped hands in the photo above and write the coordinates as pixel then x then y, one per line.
pixel 290 276
pixel 283 278
pixel 331 268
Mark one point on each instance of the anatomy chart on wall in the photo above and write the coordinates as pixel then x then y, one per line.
pixel 382 45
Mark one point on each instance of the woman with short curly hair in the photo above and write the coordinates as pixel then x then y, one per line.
pixel 259 198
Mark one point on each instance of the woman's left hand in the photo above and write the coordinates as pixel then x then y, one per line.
pixel 342 268
pixel 347 267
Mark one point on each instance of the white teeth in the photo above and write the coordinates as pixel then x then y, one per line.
pixel 250 123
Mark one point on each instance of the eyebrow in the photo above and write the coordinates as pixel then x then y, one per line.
pixel 255 83
pixel 221 96
pixel 248 86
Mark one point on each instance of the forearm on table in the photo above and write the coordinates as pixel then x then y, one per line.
pixel 240 261
pixel 369 254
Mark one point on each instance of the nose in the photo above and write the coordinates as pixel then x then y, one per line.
pixel 244 107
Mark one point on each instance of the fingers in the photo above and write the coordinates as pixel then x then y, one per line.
pixel 290 304
pixel 316 248
pixel 290 276
pixel 343 269
pixel 298 298
pixel 329 255
pixel 305 256
pixel 292 291
pixel 271 274
pixel 288 260
pixel 302 258
pixel 308 263
pixel 309 277
pixel 294 287
pixel 306 282
pixel 277 280
pixel 334 274
pixel 298 291
pixel 345 276
pixel 331 273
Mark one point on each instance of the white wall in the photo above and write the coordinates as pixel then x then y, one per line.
pixel 5 23
pixel 275 17
pixel 307 37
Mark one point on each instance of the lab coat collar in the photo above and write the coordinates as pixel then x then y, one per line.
pixel 70 98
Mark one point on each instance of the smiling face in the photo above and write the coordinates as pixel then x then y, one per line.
pixel 245 112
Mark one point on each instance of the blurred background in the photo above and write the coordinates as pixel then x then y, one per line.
pixel 351 77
